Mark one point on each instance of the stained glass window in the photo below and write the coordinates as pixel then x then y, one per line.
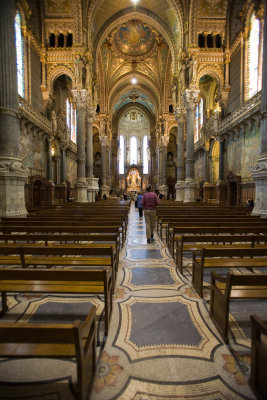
pixel 254 51
pixel 198 119
pixel 71 120
pixel 121 155
pixel 19 55
pixel 145 158
pixel 133 150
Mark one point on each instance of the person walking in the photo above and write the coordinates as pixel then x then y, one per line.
pixel 149 202
pixel 139 204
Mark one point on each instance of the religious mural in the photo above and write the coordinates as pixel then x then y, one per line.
pixel 133 180
pixel 58 7
pixel 211 8
pixel 134 38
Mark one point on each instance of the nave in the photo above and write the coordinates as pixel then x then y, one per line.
pixel 162 343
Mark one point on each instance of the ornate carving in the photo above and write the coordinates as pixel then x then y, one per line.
pixel 190 98
pixel 13 166
pixel 81 98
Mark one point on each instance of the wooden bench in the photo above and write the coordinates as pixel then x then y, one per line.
pixel 233 287
pixel 215 230
pixel 93 240
pixel 258 371
pixel 64 281
pixel 60 256
pixel 55 340
pixel 234 257
pixel 188 243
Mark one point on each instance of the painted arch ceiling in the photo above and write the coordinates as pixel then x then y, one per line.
pixel 126 40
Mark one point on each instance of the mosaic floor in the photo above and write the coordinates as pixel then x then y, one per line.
pixel 161 344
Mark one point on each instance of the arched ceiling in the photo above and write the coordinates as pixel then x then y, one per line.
pixel 140 41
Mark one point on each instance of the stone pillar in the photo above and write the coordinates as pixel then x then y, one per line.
pixel 190 99
pixel 259 173
pixel 221 186
pixel 179 186
pixel 63 187
pixel 104 143
pixel 207 186
pixel 50 186
pixel 81 185
pixel 163 188
pixel 12 173
pixel 91 181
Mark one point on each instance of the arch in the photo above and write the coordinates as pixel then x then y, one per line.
pixel 55 73
pixel 127 107
pixel 214 71
pixel 144 16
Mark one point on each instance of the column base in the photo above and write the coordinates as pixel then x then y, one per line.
pixel 92 190
pixel 179 186
pixel 164 190
pixel 259 175
pixel 189 191
pixel 221 193
pixel 81 192
pixel 12 188
pixel 105 191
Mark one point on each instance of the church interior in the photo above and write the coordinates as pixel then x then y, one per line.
pixel 100 99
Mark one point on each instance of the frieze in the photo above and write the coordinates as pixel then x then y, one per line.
pixel 13 166
pixel 250 108
pixel 27 111
pixel 56 56
pixel 211 55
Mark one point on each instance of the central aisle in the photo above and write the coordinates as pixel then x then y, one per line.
pixel 161 343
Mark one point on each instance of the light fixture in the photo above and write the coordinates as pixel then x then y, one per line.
pixel 53 151
pixel 134 1
pixel 134 80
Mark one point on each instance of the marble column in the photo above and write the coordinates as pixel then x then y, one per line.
pixel 80 97
pixel 259 173
pixel 104 143
pixel 190 99
pixel 179 186
pixel 91 181
pixel 12 173
pixel 62 187
pixel 50 186
pixel 207 187
pixel 163 188
pixel 221 186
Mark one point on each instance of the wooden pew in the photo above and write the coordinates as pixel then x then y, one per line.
pixel 59 255
pixel 258 371
pixel 5 225
pixel 62 230
pixel 188 243
pixel 76 340
pixel 93 240
pixel 64 281
pixel 233 287
pixel 234 257
pixel 215 230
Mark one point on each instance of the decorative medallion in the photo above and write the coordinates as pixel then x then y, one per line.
pixel 134 39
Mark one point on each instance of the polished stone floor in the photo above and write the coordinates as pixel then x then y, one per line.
pixel 162 344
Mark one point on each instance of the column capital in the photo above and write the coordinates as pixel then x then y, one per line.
pixel 164 140
pixel 81 98
pixel 103 140
pixel 190 98
pixel 91 115
pixel 180 114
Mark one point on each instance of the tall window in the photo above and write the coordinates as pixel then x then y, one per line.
pixel 145 158
pixel 19 55
pixel 133 150
pixel 71 120
pixel 198 119
pixel 254 57
pixel 121 155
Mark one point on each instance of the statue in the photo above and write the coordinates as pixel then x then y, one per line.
pixel 78 70
pixel 192 70
pixel 95 93
pixel 54 121
pixel 174 92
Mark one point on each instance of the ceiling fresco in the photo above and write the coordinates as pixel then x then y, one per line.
pixel 134 96
pixel 134 38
